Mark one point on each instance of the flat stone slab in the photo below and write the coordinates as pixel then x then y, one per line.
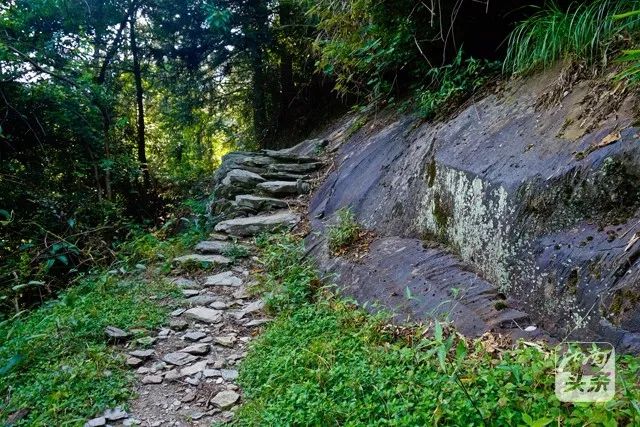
pixel 179 358
pixel 229 374
pixel 226 278
pixel 197 349
pixel 258 224
pixel 225 399
pixel 116 334
pixel 213 247
pixel 283 188
pixel 260 204
pixel 242 178
pixel 142 354
pixel 194 369
pixel 287 156
pixel 183 282
pixel 204 314
pixel 152 379
pixel 203 259
pixel 194 336
pixel 201 300
pixel 294 167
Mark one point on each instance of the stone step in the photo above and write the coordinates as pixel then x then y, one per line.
pixel 284 188
pixel 203 259
pixel 284 176
pixel 295 167
pixel 216 247
pixel 260 204
pixel 254 225
pixel 226 278
pixel 286 156
pixel 242 178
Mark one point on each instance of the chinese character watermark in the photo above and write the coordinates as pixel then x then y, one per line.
pixel 585 372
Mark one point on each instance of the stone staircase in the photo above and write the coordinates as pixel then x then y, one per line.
pixel 188 375
pixel 255 191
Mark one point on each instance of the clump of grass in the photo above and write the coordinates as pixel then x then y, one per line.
pixel 585 30
pixel 55 361
pixel 344 232
pixel 326 362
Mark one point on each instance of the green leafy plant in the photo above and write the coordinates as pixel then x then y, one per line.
pixel 586 30
pixel 630 57
pixel 344 231
pixel 236 251
pixel 450 84
pixel 289 280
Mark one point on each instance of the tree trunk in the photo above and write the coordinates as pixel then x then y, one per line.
pixel 287 88
pixel 104 110
pixel 257 34
pixel 259 102
pixel 137 76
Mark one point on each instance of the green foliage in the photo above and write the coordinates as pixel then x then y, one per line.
pixel 630 57
pixel 586 30
pixel 289 279
pixel 344 231
pixel 235 251
pixel 364 44
pixel 55 361
pixel 330 363
pixel 452 83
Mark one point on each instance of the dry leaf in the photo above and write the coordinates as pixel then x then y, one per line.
pixel 609 139
pixel 632 241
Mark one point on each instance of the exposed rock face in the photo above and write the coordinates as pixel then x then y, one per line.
pixel 547 220
pixel 257 224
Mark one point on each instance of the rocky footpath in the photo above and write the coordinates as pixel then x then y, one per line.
pixel 187 373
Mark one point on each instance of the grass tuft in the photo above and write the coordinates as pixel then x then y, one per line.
pixel 586 30
pixel 344 232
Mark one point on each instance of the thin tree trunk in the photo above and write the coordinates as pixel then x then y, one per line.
pixel 137 75
pixel 287 88
pixel 104 110
pixel 258 36
pixel 259 102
